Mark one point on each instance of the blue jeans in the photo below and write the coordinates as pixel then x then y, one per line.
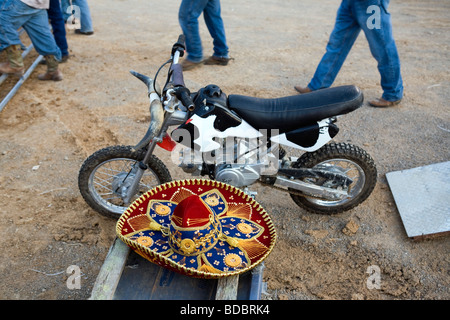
pixel 58 26
pixel 15 14
pixel 351 17
pixel 85 13
pixel 190 11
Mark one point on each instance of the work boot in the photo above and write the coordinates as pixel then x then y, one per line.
pixel 52 70
pixel 213 60
pixel 189 65
pixel 63 59
pixel 15 62
pixel 382 103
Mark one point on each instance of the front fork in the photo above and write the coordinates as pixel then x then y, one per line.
pixel 142 165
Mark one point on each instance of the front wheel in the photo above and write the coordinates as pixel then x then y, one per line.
pixel 345 159
pixel 105 176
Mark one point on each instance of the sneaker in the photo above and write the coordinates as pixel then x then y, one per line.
pixel 87 33
pixel 213 60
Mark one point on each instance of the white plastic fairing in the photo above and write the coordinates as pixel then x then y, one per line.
pixel 323 138
pixel 207 132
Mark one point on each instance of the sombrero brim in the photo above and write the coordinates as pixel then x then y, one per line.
pixel 239 210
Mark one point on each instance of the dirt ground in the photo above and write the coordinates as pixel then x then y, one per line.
pixel 48 129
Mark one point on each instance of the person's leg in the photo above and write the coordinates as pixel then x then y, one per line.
pixel 38 30
pixel 189 12
pixel 11 19
pixel 342 38
pixel 65 4
pixel 85 16
pixel 58 26
pixel 10 22
pixel 382 46
pixel 214 22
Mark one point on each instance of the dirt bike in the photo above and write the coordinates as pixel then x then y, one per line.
pixel 238 140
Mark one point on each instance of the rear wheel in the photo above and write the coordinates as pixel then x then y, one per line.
pixel 105 176
pixel 340 158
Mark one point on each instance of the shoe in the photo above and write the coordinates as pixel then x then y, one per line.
pixel 302 89
pixel 87 33
pixel 54 76
pixel 189 65
pixel 381 103
pixel 64 58
pixel 213 60
pixel 5 67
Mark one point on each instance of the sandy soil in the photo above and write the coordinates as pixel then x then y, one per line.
pixel 48 129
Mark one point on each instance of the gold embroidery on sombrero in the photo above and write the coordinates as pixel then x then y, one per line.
pixel 215 201
pixel 240 210
pixel 253 247
pixel 232 260
pixel 212 199
pixel 217 258
pixel 187 246
pixel 201 241
pixel 244 228
pixel 160 208
pixel 241 228
pixel 207 268
pixel 190 221
pixel 181 194
pixel 139 222
pixel 145 241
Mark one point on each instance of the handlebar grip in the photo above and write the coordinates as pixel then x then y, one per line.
pixel 184 95
pixel 180 45
pixel 181 40
pixel 177 75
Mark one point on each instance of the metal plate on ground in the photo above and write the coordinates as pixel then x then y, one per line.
pixel 422 196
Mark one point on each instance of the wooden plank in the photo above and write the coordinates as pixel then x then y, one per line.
pixel 111 271
pixel 144 280
pixel 227 288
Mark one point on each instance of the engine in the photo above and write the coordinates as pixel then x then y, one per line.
pixel 235 174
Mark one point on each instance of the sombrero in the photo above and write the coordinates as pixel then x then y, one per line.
pixel 201 228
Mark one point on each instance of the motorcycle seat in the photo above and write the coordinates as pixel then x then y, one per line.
pixel 292 112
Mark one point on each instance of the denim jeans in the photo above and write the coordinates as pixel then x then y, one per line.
pixel 352 16
pixel 15 14
pixel 85 13
pixel 58 26
pixel 190 11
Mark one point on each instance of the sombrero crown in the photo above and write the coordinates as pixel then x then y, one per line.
pixel 202 228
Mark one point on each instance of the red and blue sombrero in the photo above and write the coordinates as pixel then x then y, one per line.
pixel 201 228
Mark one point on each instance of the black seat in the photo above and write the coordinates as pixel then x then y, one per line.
pixel 292 112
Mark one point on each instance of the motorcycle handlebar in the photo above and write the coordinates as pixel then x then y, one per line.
pixel 184 95
pixel 179 45
pixel 181 92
